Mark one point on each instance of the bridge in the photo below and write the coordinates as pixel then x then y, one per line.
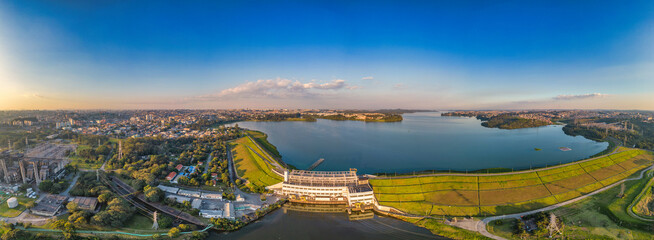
pixel 138 200
pixel 315 164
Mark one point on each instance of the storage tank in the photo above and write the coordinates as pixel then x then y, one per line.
pixel 12 202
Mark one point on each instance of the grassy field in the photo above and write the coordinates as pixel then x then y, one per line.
pixel 488 194
pixel 250 165
pixel 602 216
pixel 81 163
pixel 5 211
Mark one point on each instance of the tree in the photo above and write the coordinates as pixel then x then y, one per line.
pixel 46 186
pixel 29 205
pixel 138 184
pixel 153 194
pixel 15 234
pixel 199 235
pixel 184 227
pixel 72 206
pixel 105 197
pixel 182 180
pixel 174 232
pixel 164 221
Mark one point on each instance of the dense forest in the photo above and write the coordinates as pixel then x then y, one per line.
pixel 642 135
pixel 369 118
pixel 505 121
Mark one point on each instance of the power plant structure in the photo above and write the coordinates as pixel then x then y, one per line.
pixel 327 187
pixel 38 164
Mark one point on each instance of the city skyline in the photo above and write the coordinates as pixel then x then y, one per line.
pixel 344 55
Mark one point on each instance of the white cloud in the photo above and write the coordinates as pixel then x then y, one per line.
pixel 367 78
pixel 280 88
pixel 399 86
pixel 579 96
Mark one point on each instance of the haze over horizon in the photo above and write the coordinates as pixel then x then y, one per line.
pixel 340 55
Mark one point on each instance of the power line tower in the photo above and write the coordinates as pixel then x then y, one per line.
pixel 553 226
pixel 622 188
pixel 120 149
pixel 155 225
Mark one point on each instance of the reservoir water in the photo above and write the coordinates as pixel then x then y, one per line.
pixel 422 141
pixel 289 223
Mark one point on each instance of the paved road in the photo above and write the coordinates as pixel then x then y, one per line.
pixel 481 225
pixel 72 184
pixel 271 159
pixel 630 208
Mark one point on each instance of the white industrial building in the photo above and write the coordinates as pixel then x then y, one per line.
pixel 327 187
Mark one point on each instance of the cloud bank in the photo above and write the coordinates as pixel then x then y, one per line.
pixel 579 96
pixel 281 88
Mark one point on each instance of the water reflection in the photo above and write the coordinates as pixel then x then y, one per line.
pixel 303 221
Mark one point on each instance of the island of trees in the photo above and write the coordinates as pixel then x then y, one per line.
pixel 503 120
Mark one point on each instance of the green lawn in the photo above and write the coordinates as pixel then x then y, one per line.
pixel 250 166
pixel 485 195
pixel 140 222
pixel 5 211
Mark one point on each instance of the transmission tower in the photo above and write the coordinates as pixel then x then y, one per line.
pixel 553 226
pixel 155 225
pixel 120 149
pixel 622 188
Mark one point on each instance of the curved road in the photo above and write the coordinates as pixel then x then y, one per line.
pixel 630 208
pixel 481 225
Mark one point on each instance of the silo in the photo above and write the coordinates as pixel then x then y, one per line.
pixel 12 202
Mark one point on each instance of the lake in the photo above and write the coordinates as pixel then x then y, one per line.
pixel 422 141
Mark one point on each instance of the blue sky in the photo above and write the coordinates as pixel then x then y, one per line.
pixel 331 54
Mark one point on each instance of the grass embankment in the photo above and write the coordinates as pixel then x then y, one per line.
pixel 643 203
pixel 250 165
pixel 488 194
pixel 441 229
pixel 262 140
pixel 5 211
pixel 601 216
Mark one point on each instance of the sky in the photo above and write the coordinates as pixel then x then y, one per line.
pixel 326 54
